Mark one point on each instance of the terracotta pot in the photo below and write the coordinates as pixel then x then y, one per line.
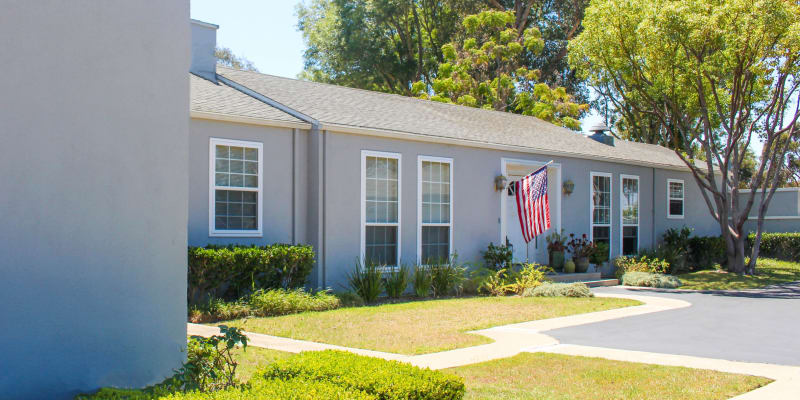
pixel 582 264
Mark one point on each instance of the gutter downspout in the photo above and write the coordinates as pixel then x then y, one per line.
pixel 316 173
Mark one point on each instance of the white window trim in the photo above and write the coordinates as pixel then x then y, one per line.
pixel 622 223
pixel 682 199
pixel 399 158
pixel 212 230
pixel 420 160
pixel 610 177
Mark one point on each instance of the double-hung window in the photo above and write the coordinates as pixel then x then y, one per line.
pixel 629 213
pixel 601 207
pixel 380 182
pixel 675 195
pixel 435 188
pixel 235 188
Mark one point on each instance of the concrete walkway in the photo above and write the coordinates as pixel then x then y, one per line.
pixel 513 339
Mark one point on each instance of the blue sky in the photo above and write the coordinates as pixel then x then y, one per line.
pixel 265 32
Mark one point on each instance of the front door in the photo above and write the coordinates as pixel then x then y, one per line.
pixel 536 250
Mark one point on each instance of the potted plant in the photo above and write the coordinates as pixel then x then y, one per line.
pixel 581 249
pixel 556 244
pixel 600 256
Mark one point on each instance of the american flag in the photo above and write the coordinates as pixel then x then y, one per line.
pixel 533 207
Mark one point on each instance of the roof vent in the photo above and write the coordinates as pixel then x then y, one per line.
pixel 599 134
pixel 204 42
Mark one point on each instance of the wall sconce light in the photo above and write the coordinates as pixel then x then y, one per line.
pixel 568 187
pixel 500 183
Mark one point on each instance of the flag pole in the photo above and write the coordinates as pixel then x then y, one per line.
pixel 527 245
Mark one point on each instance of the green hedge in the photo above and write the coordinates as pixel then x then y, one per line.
pixel 232 271
pixel 263 303
pixel 783 246
pixel 291 389
pixel 386 380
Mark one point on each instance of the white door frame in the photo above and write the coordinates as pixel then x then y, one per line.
pixel 555 219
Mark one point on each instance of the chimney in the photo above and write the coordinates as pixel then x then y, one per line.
pixel 204 43
pixel 599 134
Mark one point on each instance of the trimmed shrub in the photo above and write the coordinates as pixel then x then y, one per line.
pixel 366 281
pixel 269 303
pixel 382 378
pixel 575 289
pixel 396 281
pixel 230 272
pixel 640 263
pixel 497 257
pixel 264 303
pixel 706 251
pixel 290 389
pixel 783 246
pixel 646 279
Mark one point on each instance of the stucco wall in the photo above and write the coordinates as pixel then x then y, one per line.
pixel 280 152
pixel 783 214
pixel 93 168
pixel 476 204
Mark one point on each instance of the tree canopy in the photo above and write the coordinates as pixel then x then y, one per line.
pixel 485 70
pixel 707 78
pixel 226 57
pixel 388 45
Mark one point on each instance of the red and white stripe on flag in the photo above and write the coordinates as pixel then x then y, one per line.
pixel 533 206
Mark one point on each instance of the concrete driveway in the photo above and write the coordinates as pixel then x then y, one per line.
pixel 753 326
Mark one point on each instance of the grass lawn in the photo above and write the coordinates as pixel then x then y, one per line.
pixel 421 327
pixel 253 358
pixel 768 272
pixel 555 376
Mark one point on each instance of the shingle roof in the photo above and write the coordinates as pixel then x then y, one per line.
pixel 218 98
pixel 337 105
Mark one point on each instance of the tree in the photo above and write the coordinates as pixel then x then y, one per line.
pixel 484 70
pixel 388 45
pixel 383 45
pixel 713 76
pixel 226 57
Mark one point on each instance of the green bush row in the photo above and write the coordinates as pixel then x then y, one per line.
pixel 640 263
pixel 230 272
pixel 783 246
pixel 264 303
pixel 383 379
pixel 290 389
pixel 575 289
pixel 647 279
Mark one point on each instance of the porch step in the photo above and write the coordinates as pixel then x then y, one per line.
pixel 602 282
pixel 576 277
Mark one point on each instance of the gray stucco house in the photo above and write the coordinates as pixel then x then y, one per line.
pixel 357 173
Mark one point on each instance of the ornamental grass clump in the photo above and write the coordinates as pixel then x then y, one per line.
pixel 576 289
pixel 397 281
pixel 275 302
pixel 422 281
pixel 646 279
pixel 366 280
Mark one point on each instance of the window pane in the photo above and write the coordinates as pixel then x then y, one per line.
pixel 237 166
pixel 237 153
pixel 251 181
pixel 251 154
pixel 601 199
pixel 381 245
pixel 221 165
pixel 676 207
pixel 251 167
pixel 675 190
pixel 235 210
pixel 381 190
pixel 630 240
pixel 436 192
pixel 630 201
pixel 435 244
pixel 222 151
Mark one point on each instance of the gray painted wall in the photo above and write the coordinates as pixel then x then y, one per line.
pixel 93 166
pixel 278 170
pixel 204 44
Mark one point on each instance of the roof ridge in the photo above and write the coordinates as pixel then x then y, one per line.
pixel 400 96
pixel 435 104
